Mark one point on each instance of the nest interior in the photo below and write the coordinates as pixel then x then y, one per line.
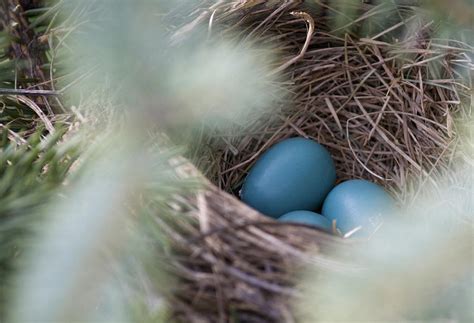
pixel 380 92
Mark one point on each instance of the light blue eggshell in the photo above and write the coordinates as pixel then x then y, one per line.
pixel 295 174
pixel 307 217
pixel 357 203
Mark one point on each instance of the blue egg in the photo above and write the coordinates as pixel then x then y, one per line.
pixel 309 218
pixel 357 203
pixel 295 174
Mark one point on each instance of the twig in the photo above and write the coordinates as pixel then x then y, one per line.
pixel 29 92
pixel 311 27
pixel 31 104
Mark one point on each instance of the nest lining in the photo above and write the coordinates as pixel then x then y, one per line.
pixel 386 109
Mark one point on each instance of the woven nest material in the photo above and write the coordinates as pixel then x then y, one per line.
pixel 386 105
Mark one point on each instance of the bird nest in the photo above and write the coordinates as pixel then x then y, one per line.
pixel 386 105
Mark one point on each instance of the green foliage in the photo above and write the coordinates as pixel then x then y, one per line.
pixel 104 220
pixel 31 59
pixel 6 65
pixel 31 173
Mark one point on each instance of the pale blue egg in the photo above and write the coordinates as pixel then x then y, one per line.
pixel 307 217
pixel 358 203
pixel 295 174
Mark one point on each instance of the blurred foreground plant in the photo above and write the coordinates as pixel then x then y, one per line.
pixel 418 266
pixel 94 245
pixel 32 173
